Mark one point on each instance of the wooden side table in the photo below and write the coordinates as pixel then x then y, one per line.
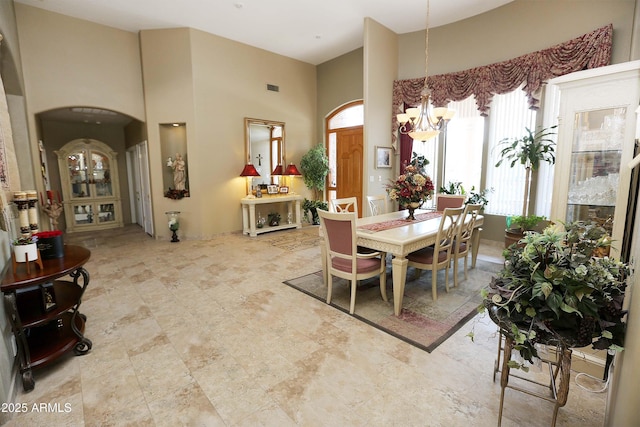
pixel 43 310
pixel 249 212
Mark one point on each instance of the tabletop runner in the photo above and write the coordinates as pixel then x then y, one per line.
pixel 386 225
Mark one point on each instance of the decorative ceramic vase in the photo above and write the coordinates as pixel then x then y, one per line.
pixel 26 253
pixel 412 207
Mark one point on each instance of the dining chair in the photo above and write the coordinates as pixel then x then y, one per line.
pixel 378 204
pixel 346 204
pixel 342 257
pixel 444 201
pixel 462 241
pixel 438 256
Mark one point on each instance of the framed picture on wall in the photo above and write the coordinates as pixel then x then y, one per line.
pixel 383 157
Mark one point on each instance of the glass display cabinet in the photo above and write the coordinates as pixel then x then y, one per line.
pixel 594 174
pixel 89 175
pixel 596 138
pixel 596 129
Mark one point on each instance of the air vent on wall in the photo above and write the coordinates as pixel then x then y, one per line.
pixel 273 88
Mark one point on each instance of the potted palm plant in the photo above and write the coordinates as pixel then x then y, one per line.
pixel 314 166
pixel 555 288
pixel 529 150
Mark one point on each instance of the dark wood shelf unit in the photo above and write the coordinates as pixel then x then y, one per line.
pixel 44 332
pixel 47 343
pixel 31 311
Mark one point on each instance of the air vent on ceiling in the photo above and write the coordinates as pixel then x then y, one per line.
pixel 273 88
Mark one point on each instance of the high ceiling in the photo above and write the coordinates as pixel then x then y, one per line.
pixel 312 31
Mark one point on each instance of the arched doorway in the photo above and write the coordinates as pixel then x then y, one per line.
pixel 56 127
pixel 345 147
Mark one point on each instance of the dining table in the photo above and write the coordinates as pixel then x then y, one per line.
pixel 394 234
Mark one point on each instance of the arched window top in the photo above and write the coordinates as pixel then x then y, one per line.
pixel 348 116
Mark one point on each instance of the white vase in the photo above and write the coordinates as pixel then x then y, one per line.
pixel 25 253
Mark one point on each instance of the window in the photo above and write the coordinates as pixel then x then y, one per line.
pixel 464 145
pixel 428 149
pixel 351 116
pixel 509 116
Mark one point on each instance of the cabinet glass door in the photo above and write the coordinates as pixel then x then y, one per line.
pixel 82 214
pixel 595 165
pixel 101 174
pixel 106 212
pixel 78 174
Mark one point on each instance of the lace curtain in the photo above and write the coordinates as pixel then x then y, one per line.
pixel 590 50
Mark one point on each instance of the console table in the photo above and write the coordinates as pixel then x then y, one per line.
pixel 43 310
pixel 249 212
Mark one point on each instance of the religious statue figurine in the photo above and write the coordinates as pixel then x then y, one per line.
pixel 179 169
pixel 53 209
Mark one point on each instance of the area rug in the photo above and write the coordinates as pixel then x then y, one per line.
pixel 304 238
pixel 423 322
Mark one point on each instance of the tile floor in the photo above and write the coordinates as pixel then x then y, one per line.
pixel 204 333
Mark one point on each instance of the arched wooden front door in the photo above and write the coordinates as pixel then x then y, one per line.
pixel 344 130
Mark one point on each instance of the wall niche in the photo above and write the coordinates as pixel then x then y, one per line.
pixel 173 144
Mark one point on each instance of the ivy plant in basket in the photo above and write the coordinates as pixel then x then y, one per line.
pixel 554 288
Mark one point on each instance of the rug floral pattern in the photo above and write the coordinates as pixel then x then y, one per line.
pixel 423 322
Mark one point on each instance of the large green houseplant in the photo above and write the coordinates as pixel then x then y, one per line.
pixel 528 150
pixel 554 288
pixel 314 166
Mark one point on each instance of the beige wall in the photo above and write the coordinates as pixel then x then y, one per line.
pixel 212 83
pixel 512 30
pixel 380 53
pixel 13 127
pixel 340 80
pixel 71 62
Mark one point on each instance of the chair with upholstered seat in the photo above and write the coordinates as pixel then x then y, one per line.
pixel 444 201
pixel 462 241
pixel 438 256
pixel 342 257
pixel 378 205
pixel 346 204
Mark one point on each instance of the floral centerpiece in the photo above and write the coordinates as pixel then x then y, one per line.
pixel 555 288
pixel 413 187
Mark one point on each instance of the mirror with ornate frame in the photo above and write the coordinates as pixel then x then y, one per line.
pixel 264 147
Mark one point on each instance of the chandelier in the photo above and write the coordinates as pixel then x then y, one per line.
pixel 423 123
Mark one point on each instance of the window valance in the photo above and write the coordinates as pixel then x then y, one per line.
pixel 590 50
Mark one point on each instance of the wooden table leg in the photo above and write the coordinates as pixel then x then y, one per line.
pixel 399 274
pixel 475 245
